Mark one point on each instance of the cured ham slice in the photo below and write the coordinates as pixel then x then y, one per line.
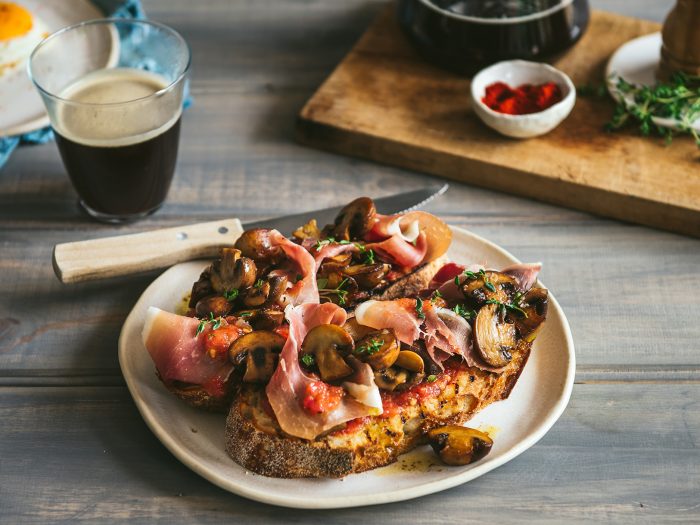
pixel 289 384
pixel 399 315
pixel 397 238
pixel 397 251
pixel 332 250
pixel 300 270
pixel 524 273
pixel 449 289
pixel 462 332
pixel 180 354
pixel 440 342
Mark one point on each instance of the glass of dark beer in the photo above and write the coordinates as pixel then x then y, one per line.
pixel 114 90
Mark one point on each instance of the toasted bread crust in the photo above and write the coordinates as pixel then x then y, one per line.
pixel 255 440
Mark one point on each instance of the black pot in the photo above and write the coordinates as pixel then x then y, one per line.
pixel 466 35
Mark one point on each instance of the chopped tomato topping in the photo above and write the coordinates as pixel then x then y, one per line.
pixel 215 387
pixel 447 272
pixel 218 341
pixel 322 397
pixel 283 330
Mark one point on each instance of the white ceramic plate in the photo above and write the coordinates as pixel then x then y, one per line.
pixel 197 438
pixel 21 108
pixel 637 61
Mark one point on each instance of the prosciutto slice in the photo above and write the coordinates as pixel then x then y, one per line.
pixel 332 250
pixel 462 331
pixel 300 270
pixel 525 274
pixel 179 354
pixel 397 251
pixel 440 342
pixel 398 315
pixel 390 225
pixel 449 289
pixel 288 385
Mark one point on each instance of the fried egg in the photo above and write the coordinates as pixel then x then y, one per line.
pixel 20 32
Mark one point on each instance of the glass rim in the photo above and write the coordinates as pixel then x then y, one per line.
pixel 107 21
pixel 497 21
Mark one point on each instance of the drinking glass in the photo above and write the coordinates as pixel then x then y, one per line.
pixel 113 90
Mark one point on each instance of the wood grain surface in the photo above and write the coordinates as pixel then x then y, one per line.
pixel 385 103
pixel 72 445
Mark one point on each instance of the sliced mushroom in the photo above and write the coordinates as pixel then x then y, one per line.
pixel 337 263
pixel 255 244
pixel 329 344
pixel 354 220
pixel 259 350
pixel 262 319
pixel 494 338
pixel 278 285
pixel 534 303
pixel 257 295
pixel 232 271
pixel 378 349
pixel 310 230
pixel 356 330
pixel 390 378
pixel 215 305
pixel 489 285
pixel 410 361
pixel 457 445
pixel 367 276
pixel 201 289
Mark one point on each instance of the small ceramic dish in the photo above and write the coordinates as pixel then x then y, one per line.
pixel 514 73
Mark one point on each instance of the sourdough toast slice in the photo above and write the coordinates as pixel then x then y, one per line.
pixel 255 440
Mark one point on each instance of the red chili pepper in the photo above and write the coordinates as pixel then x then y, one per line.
pixel 525 99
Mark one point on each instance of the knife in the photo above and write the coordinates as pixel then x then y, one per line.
pixel 81 261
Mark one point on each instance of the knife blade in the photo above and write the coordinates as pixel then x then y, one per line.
pixel 399 203
pixel 140 252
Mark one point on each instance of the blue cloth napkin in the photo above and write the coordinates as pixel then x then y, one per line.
pixel 111 8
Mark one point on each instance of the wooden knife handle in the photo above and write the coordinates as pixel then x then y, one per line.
pixel 81 261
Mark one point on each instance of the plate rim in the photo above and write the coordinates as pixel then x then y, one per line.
pixel 345 501
pixel 43 121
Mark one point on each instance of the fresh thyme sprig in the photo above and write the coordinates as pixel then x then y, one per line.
pixel 677 99
pixel 511 307
pixel 463 311
pixel 215 323
pixel 371 347
pixel 481 274
pixel 230 295
pixel 419 308
pixel 338 290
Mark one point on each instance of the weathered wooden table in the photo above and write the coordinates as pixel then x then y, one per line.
pixel 72 445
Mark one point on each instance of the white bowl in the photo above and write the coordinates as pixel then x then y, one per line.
pixel 514 73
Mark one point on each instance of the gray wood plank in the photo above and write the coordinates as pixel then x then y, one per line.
pixel 617 454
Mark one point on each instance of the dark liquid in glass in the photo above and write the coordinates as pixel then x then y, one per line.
pixel 467 35
pixel 122 180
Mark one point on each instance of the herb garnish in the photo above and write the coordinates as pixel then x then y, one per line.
pixel 308 360
pixel 215 323
pixel 431 378
pixel 480 274
pixel 419 308
pixel 678 99
pixel 338 290
pixel 510 307
pixel 462 310
pixel 230 295
pixel 325 242
pixel 368 254
pixel 259 283
pixel 371 347
pixel 245 314
pixel 435 296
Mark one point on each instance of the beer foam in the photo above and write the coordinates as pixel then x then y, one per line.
pixel 117 107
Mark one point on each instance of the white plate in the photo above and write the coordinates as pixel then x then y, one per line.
pixel 197 438
pixel 21 108
pixel 637 61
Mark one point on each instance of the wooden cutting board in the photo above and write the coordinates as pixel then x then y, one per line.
pixel 383 102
